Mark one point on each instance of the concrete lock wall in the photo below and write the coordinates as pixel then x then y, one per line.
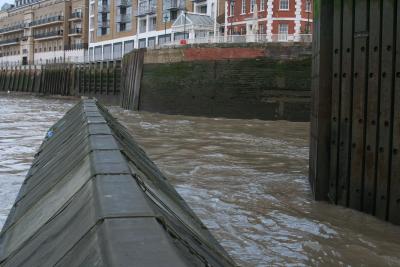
pixel 261 81
pixel 93 198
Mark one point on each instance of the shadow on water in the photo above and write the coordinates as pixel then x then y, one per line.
pixel 246 179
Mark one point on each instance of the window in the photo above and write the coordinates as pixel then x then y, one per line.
pixel 232 9
pixel 308 5
pixel 284 5
pixel 283 32
pixel 243 6
pixel 201 9
pixel 261 28
pixel 252 5
pixel 128 46
pixel 142 25
pixel 97 53
pixel 163 39
pixel 174 14
pixel 142 43
pixel 117 50
pixel 152 42
pixel 308 28
pixel 91 54
pixel 122 27
pixel 262 5
pixel 153 24
pixel 107 52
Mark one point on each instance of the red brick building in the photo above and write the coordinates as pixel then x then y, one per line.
pixel 272 19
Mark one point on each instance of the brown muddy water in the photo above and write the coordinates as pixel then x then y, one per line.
pixel 245 179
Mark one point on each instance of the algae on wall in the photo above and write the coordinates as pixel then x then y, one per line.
pixel 260 88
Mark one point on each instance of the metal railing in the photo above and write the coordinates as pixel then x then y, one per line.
pixel 104 9
pixel 75 31
pixel 47 20
pixel 144 10
pixel 251 38
pixel 76 15
pixel 48 34
pixel 123 18
pixel 175 4
pixel 77 46
pixel 124 3
pixel 9 41
pixel 104 24
pixel 13 28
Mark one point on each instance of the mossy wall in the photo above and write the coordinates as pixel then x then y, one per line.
pixel 263 88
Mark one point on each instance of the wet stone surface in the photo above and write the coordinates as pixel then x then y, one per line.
pixel 246 180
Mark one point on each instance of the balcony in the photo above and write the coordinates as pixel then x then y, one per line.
pixel 76 46
pixel 175 5
pixel 76 16
pixel 75 32
pixel 48 35
pixel 8 42
pixel 144 10
pixel 103 24
pixel 14 28
pixel 104 9
pixel 124 3
pixel 124 18
pixel 46 21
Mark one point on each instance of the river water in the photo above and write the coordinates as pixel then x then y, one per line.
pixel 245 179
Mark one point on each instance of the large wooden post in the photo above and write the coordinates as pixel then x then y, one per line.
pixel 355 128
pixel 321 99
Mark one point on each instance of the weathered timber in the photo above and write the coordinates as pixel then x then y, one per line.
pixel 131 79
pixel 93 198
pixel 354 154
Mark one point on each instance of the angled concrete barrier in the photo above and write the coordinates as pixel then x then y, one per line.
pixel 93 198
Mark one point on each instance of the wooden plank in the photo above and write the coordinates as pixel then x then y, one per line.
pixel 3 79
pixel 18 78
pixel 102 77
pixel 89 81
pixel 131 79
pixel 25 79
pixel 118 80
pixel 122 95
pixel 108 77
pixel 115 78
pixel 84 79
pixel 345 104
pixel 7 83
pixel 138 80
pixel 32 78
pixel 369 190
pixel 336 83
pixel 385 108
pixel 358 112
pixel 12 79
pixel 95 79
pixel 394 200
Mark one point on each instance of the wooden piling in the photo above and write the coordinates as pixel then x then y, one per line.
pixel 357 147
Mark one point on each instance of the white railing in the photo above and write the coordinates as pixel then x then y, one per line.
pixel 11 60
pixel 250 38
pixel 61 56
